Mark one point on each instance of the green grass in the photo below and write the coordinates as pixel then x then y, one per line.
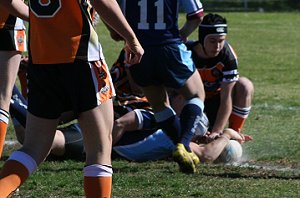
pixel 268 48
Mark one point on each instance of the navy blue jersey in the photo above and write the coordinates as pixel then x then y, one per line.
pixel 155 22
pixel 213 71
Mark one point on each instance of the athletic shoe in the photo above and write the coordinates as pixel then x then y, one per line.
pixel 195 158
pixel 184 159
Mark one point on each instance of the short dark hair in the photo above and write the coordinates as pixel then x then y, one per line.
pixel 213 19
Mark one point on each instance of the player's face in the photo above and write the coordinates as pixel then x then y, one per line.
pixel 213 44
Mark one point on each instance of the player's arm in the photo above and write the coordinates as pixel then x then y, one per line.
pixel 224 110
pixel 112 15
pixel 194 17
pixel 211 151
pixel 17 8
pixel 113 34
pixel 189 27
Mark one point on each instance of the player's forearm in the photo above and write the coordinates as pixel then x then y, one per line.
pixel 213 149
pixel 225 107
pixel 189 27
pixel 17 8
pixel 222 115
pixel 112 15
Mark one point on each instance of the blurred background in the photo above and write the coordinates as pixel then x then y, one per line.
pixel 251 5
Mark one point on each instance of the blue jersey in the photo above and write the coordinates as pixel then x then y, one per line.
pixel 155 22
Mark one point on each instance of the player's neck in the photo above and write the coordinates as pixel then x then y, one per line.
pixel 200 51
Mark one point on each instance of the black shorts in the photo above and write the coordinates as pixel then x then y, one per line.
pixel 13 40
pixel 77 87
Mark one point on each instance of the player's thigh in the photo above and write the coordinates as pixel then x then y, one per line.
pixel 9 64
pixel 193 87
pixel 243 92
pixel 157 96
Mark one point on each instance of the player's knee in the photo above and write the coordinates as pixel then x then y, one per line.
pixel 118 124
pixel 245 87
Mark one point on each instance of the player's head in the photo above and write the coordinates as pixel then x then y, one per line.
pixel 212 33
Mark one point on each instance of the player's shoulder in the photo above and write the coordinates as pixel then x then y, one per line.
pixel 190 44
pixel 228 51
pixel 193 8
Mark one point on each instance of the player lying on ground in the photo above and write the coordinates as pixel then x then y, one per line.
pixel 140 144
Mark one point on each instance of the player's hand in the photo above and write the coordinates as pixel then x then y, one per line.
pixel 241 138
pixel 213 135
pixel 134 52
pixel 247 137
pixel 234 135
pixel 184 39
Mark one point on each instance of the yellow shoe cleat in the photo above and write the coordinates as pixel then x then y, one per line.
pixel 184 159
pixel 195 158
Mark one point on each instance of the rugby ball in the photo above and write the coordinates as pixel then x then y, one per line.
pixel 232 152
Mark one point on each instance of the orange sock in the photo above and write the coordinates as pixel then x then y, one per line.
pixel 97 181
pixel 12 175
pixel 97 187
pixel 238 117
pixel 236 122
pixel 3 129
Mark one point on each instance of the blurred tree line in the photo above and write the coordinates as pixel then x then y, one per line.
pixel 251 5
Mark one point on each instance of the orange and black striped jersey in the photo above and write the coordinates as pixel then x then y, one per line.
pixel 214 71
pixel 125 95
pixel 62 31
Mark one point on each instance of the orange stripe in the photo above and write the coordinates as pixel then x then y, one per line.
pixel 105 86
pixel 3 129
pixel 20 40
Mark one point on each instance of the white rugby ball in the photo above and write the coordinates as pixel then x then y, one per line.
pixel 232 152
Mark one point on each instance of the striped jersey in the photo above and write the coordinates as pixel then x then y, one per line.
pixel 62 31
pixel 155 22
pixel 126 96
pixel 213 71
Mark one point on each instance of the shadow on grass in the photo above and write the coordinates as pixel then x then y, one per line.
pixel 260 176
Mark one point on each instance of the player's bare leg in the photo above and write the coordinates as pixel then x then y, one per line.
pixel 9 64
pixel 96 125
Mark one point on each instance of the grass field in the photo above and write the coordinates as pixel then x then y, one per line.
pixel 268 48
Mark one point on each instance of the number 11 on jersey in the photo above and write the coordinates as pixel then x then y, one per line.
pixel 143 24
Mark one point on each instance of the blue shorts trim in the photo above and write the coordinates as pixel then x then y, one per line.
pixel 169 65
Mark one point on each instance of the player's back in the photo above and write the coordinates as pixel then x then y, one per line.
pixel 61 32
pixel 154 22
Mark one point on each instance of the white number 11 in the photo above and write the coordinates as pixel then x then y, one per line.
pixel 159 25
